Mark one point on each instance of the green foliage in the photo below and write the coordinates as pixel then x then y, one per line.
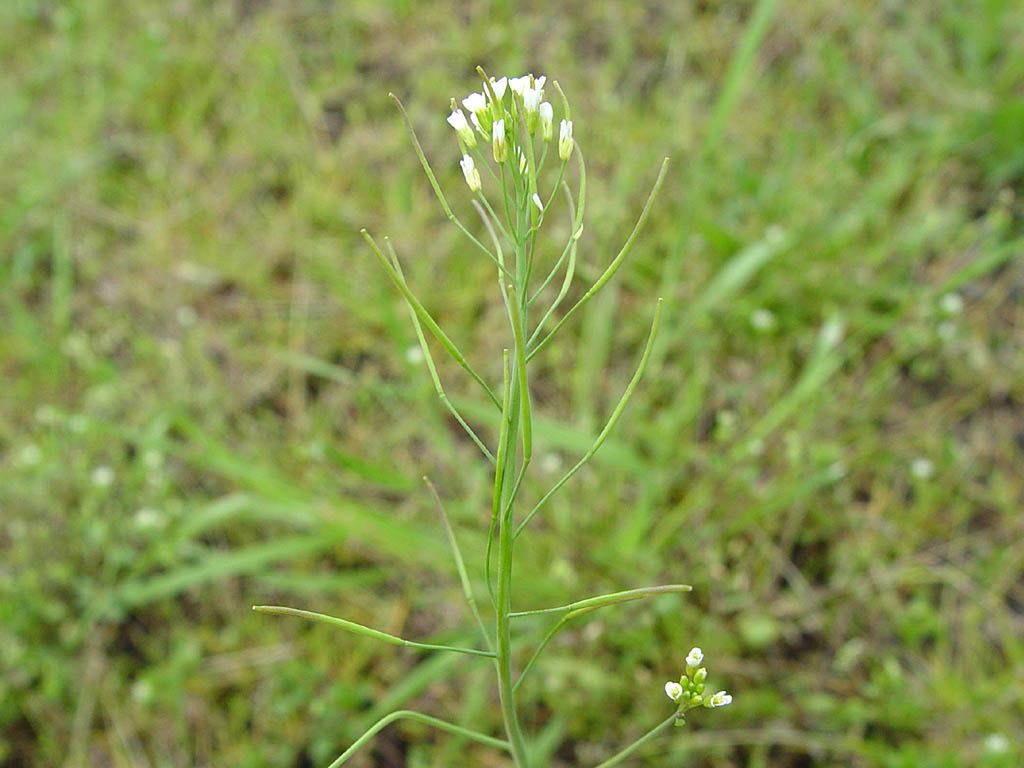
pixel 186 305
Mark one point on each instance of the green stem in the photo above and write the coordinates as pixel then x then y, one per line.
pixel 504 595
pixel 460 564
pixel 612 598
pixel 519 332
pixel 583 607
pixel 608 427
pixel 433 179
pixel 425 317
pixel 406 714
pixel 431 367
pixel 609 273
pixel 620 756
pixel 359 629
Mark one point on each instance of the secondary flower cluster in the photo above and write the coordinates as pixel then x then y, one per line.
pixel 507 123
pixel 688 693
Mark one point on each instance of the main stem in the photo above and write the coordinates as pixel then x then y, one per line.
pixel 504 595
pixel 505 476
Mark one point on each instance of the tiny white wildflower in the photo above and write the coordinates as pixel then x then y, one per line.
pixel 997 744
pixel 498 141
pixel 457 120
pixel 475 102
pixel 531 100
pixel 102 477
pixel 537 202
pixel 498 86
pixel 831 333
pixel 519 84
pixel 922 468
pixel 694 657
pixel 152 459
pixel 762 319
pixel 471 173
pixel 547 116
pixel 952 304
pixel 30 455
pixel 720 699
pixel 414 354
pixel 148 519
pixel 565 140
pixel 673 690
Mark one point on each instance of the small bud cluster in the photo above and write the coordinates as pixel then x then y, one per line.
pixel 508 123
pixel 689 693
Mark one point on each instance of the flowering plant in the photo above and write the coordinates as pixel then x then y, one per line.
pixel 512 116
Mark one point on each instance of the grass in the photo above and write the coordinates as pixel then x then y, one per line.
pixel 208 402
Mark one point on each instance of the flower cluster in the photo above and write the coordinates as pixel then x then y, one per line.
pixel 508 124
pixel 688 693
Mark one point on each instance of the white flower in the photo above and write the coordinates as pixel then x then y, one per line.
pixel 531 103
pixel 537 202
pixel 673 690
pixel 922 468
pixel 498 141
pixel 522 159
pixel 498 86
pixel 102 477
pixel 475 102
pixel 694 657
pixel 547 115
pixel 952 304
pixel 457 120
pixel 565 140
pixel 519 84
pixel 720 699
pixel 471 173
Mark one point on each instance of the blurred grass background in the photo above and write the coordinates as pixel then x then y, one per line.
pixel 207 400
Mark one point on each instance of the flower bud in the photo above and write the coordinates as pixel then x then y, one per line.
pixel 531 106
pixel 498 141
pixel 700 675
pixel 694 657
pixel 457 120
pixel 471 173
pixel 720 699
pixel 565 140
pixel 547 116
